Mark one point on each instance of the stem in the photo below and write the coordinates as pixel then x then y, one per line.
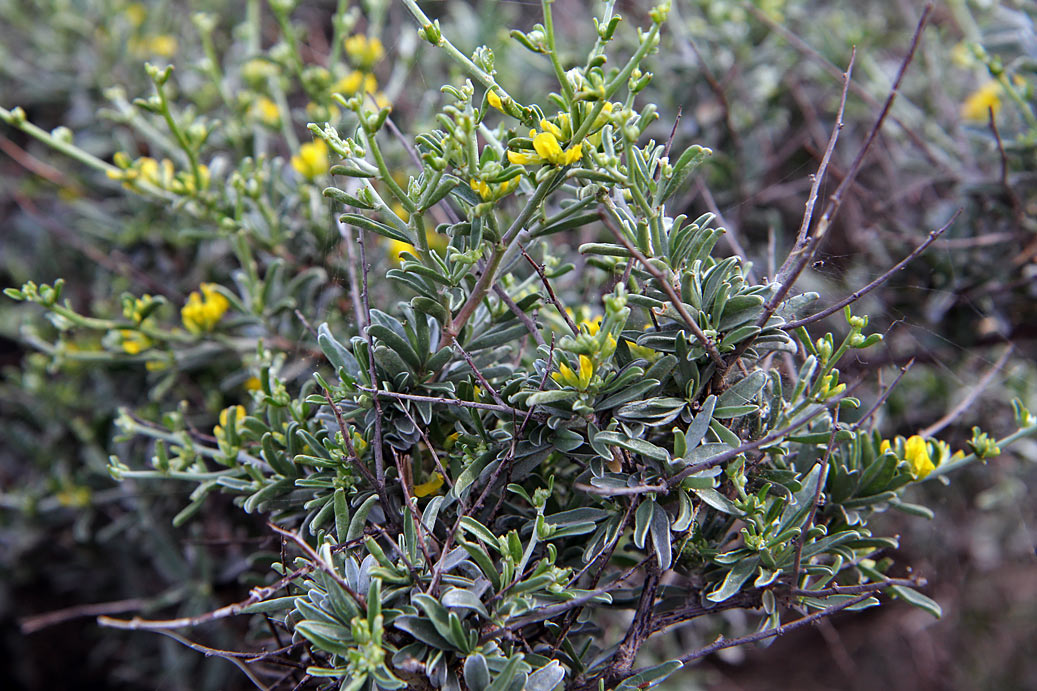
pixel 489 276
pixel 552 52
pixel 181 138
pixel 484 77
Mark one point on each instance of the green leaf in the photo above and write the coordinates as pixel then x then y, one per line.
pixel 464 599
pixel 643 521
pixel 481 532
pixel 660 530
pixel 735 579
pixel 718 501
pixel 653 676
pixel 338 355
pixel 476 672
pixel 916 599
pixel 376 227
pixel 546 678
pixel 697 428
pixel 356 524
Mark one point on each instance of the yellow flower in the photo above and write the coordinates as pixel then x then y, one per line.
pixel 74 497
pixel 579 380
pixel 916 453
pixel 591 326
pixel 354 82
pixel 884 447
pixel 547 148
pixel 398 247
pixel 253 384
pixel 134 342
pixel 257 71
pixel 239 414
pixel 203 310
pixel 980 102
pixel 494 100
pixel 161 45
pixel 136 13
pixel 364 51
pixel 493 192
pixel 429 487
pixel 267 112
pixel 312 159
pixel 640 351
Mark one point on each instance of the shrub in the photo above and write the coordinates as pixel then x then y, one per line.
pixel 487 473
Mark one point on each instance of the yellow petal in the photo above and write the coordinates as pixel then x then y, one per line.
pixel 546 145
pixel 494 100
pixel 586 371
pixel 522 158
pixel 916 453
pixel 429 487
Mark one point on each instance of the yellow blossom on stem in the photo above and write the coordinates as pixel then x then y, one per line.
pixel 429 487
pixel 134 342
pixel 580 379
pixel 916 453
pixel 547 148
pixel 491 192
pixel 267 112
pixel 494 100
pixel 591 326
pixel 354 82
pixel 203 310
pixel 364 51
pixel 312 160
pixel 980 102
pixel 219 431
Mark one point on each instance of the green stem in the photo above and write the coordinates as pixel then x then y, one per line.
pixel 180 136
pixel 1021 433
pixel 484 77
pixel 612 87
pixel 371 141
pixel 553 52
pixel 489 276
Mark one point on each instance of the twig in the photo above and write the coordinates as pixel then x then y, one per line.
pixel 722 642
pixel 30 625
pixel 379 457
pixel 762 441
pixel 861 588
pixel 857 295
pixel 731 236
pixel 444 401
pixel 227 655
pixel 675 299
pixel 1013 198
pixel 348 441
pixel 431 448
pixel 967 402
pixel 803 235
pixel 550 291
pixel 479 375
pixel 321 564
pixel 789 274
pixel 883 396
pixel 833 70
pixel 801 539
pixel 354 280
pixel 517 311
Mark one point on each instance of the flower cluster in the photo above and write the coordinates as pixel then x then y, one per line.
pixel 204 309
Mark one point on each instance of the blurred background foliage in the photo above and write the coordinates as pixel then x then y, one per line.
pixel 757 82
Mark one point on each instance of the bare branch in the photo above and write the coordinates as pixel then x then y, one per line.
pixel 967 402
pixel 857 295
